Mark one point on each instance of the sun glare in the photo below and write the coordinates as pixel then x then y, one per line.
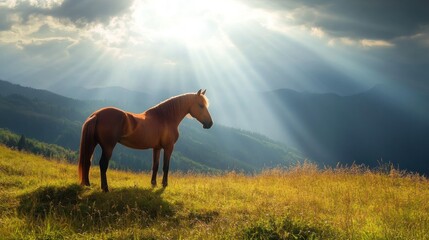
pixel 191 22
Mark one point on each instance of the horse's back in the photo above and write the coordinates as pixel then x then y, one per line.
pixel 110 115
pixel 109 126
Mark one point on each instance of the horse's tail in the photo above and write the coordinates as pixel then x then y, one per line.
pixel 87 146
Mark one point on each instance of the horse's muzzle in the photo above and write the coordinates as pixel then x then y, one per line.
pixel 208 125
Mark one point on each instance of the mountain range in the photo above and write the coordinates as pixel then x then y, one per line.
pixel 53 118
pixel 380 125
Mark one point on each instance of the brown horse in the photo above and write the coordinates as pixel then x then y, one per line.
pixel 156 128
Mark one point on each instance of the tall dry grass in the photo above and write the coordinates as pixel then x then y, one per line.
pixel 39 199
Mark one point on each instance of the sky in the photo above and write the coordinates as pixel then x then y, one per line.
pixel 232 48
pixel 255 45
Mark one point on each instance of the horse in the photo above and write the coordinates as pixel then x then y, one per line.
pixel 156 128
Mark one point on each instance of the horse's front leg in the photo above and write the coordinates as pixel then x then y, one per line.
pixel 155 164
pixel 166 164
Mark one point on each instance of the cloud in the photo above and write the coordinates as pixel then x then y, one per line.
pixel 421 38
pixel 383 19
pixel 5 22
pixel 78 12
pixel 375 43
pixel 26 23
pixel 347 41
pixel 318 32
pixel 89 11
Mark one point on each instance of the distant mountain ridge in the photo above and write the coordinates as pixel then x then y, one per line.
pixel 7 89
pixel 133 100
pixel 55 119
pixel 381 124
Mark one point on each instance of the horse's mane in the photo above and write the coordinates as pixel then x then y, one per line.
pixel 173 105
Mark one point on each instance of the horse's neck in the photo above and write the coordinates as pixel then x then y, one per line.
pixel 174 109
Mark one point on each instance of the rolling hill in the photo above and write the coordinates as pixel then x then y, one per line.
pixel 55 119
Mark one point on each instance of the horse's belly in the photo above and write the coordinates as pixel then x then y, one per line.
pixel 141 139
pixel 138 144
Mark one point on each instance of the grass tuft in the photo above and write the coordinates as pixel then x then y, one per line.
pixel 84 209
pixel 286 228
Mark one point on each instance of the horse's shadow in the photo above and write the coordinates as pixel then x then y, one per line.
pixel 85 209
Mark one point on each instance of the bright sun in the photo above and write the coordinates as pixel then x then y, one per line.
pixel 192 22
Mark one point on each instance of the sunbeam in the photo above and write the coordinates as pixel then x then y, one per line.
pixel 265 64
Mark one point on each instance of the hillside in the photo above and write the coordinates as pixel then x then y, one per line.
pixel 7 89
pixel 55 119
pixel 22 143
pixel 39 199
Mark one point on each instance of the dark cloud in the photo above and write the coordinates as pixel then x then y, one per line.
pixel 79 12
pixel 375 19
pixel 408 64
pixel 5 22
pixel 381 19
pixel 87 11
pixel 401 25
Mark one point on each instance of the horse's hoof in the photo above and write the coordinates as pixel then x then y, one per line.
pixel 153 183
pixel 105 189
pixel 85 184
pixel 164 185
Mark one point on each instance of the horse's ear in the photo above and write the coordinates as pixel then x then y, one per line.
pixel 204 92
pixel 199 92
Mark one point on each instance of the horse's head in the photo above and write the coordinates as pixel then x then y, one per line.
pixel 199 109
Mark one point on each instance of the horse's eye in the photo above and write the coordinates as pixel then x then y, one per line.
pixel 201 105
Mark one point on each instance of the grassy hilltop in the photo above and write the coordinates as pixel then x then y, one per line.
pixel 39 199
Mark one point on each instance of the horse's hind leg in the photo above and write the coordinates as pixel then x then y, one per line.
pixel 155 164
pixel 104 163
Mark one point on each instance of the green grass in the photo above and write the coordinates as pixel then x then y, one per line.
pixel 39 199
